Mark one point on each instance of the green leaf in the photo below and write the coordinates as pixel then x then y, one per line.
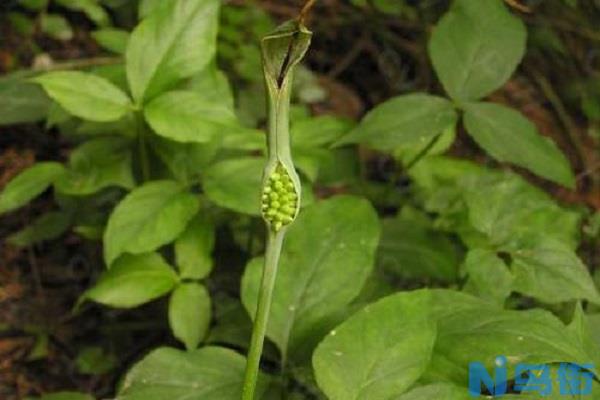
pixel 34 5
pixel 510 137
pixel 85 95
pixel 189 313
pixel 442 391
pixel 318 131
pixel 29 184
pixel 146 7
pixel 380 351
pixel 213 85
pixel 21 101
pixel 182 38
pixel 471 329
pixel 193 249
pixel 47 227
pixel 133 280
pixel 209 373
pixel 402 120
pixel 235 184
pixel 410 248
pixel 56 115
pixel 232 323
pixel 185 116
pixel 90 8
pixel 112 39
pixel 489 277
pixel 438 145
pixel 95 361
pixel 512 213
pixel 327 256
pixel 152 215
pixel 98 164
pixel 185 161
pixel 56 26
pixel 552 273
pixel 66 396
pixel 476 47
pixel 593 322
pixel 581 327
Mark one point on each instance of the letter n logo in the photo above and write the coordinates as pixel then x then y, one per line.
pixel 479 378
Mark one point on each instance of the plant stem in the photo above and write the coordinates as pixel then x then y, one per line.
pixel 423 152
pixel 273 250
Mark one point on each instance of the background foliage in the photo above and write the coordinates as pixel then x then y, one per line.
pixel 450 166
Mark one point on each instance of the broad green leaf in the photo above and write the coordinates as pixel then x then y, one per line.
pixel 581 326
pixel 56 115
pixel 441 391
pixel 249 140
pixel 327 256
pixel 98 164
pixel 510 137
pixel 380 351
pixel 552 273
pixel 133 280
pixel 235 184
pixel 185 116
pixel 194 247
pixel 410 248
pixel 115 73
pixel 318 131
pixel 413 151
pixel 408 119
pixel 56 26
pixel 112 39
pixel 593 321
pixel 488 276
pixel 308 161
pixel 47 227
pixel 186 161
pixel 21 101
pixel 209 373
pixel 213 85
pixel 126 127
pixel 85 95
pixel 66 396
pixel 146 7
pixel 476 47
pixel 152 215
pixel 189 313
pixel 182 38
pixel 29 184
pixel 471 329
pixel 511 212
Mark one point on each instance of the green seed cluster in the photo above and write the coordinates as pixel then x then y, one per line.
pixel 279 199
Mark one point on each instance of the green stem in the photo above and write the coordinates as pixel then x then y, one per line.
pixel 273 250
pixel 424 151
pixel 281 51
